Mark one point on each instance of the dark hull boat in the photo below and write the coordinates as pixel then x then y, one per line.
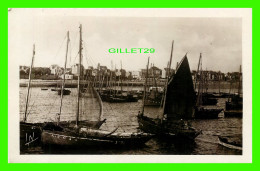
pixel 202 113
pixel 132 98
pixel 234 108
pixel 178 108
pixel 154 98
pixel 234 105
pixel 90 137
pixel 178 131
pixel 209 101
pixel 65 92
pixel 233 113
pixel 118 98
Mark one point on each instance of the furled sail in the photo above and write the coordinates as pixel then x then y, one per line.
pixel 180 97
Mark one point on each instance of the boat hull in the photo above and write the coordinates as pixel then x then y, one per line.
pixel 163 131
pixel 207 113
pixel 78 140
pixel 233 113
pixel 65 92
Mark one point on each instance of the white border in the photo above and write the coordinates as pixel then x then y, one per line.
pixel 13 90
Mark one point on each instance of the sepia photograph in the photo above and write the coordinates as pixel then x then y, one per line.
pixel 129 82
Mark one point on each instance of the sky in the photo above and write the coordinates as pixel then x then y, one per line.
pixel 218 39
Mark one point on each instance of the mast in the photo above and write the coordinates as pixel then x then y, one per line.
pixel 239 84
pixel 198 103
pixel 197 73
pixel 155 84
pixel 63 82
pixel 29 85
pixel 219 82
pixel 168 76
pixel 80 55
pixel 121 79
pixel 144 96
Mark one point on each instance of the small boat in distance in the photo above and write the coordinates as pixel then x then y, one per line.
pixel 234 105
pixel 200 111
pixel 65 92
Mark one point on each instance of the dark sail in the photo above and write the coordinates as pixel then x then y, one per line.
pixel 180 97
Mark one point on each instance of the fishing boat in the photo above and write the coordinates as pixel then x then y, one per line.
pixel 30 133
pixel 65 92
pixel 154 98
pixel 118 96
pixel 234 105
pixel 84 136
pixel 200 111
pixel 155 93
pixel 178 107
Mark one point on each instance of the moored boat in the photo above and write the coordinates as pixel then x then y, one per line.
pixel 234 105
pixel 81 135
pixel 201 112
pixel 230 143
pixel 177 109
pixel 65 92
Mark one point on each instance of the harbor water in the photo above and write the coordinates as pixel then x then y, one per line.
pixel 44 105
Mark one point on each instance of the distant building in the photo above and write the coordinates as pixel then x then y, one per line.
pixel 152 72
pixel 165 71
pixel 25 69
pixel 136 75
pixel 75 69
pixel 56 70
pixel 67 76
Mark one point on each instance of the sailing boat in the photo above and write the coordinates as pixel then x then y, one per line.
pixel 200 111
pixel 30 133
pixel 82 135
pixel 234 107
pixel 177 108
pixel 154 97
pixel 114 96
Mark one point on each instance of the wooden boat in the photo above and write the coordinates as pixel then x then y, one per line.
pixel 30 133
pixel 117 96
pixel 154 98
pixel 234 105
pixel 177 107
pixel 233 113
pixel 200 111
pixel 229 143
pixel 209 101
pixel 91 137
pixel 82 136
pixel 65 92
pixel 155 94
